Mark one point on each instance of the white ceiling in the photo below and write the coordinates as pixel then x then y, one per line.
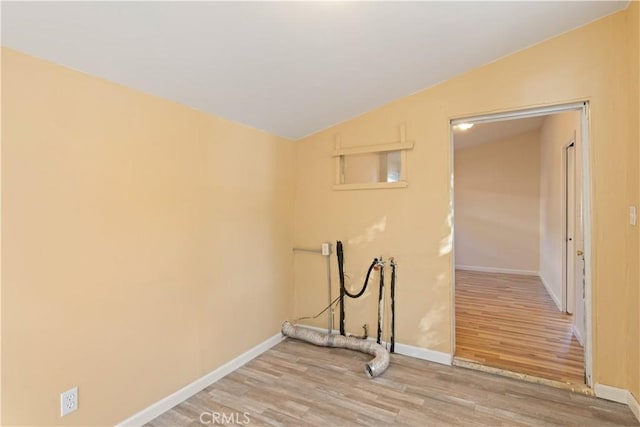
pixel 290 68
pixel 482 133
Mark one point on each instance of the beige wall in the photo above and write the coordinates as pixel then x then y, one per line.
pixel 497 204
pixel 107 191
pixel 144 243
pixel 557 131
pixel 633 182
pixel 414 224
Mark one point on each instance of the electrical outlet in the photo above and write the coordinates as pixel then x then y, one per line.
pixel 68 401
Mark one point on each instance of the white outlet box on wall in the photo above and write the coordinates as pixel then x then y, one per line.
pixel 68 401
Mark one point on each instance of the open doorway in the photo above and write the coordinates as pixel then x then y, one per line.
pixel 521 222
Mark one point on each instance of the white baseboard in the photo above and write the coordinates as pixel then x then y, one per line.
pixel 424 354
pixel 201 383
pixel 634 405
pixel 553 296
pixel 619 395
pixel 497 270
pixel 404 349
pixel 614 394
pixel 578 335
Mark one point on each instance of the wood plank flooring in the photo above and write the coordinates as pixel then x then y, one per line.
pixel 298 384
pixel 510 322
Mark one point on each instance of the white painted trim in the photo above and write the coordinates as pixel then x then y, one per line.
pixel 586 233
pixel 424 354
pixel 452 223
pixel 201 383
pixel 519 114
pixel 553 296
pixel 568 263
pixel 619 395
pixel 614 394
pixel 576 333
pixel 634 405
pixel 404 349
pixel 497 270
pixel 378 148
pixel 371 186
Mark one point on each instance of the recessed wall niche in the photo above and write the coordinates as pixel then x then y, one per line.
pixel 372 166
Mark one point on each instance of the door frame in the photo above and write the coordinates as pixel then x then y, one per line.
pixel 585 151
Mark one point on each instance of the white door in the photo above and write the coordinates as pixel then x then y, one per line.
pixel 570 223
pixel 578 253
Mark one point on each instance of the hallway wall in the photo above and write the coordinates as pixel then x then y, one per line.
pixel 497 205
pixel 556 132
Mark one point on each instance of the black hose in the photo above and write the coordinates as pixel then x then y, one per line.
pixel 366 282
pixel 393 306
pixel 340 256
pixel 380 308
pixel 343 290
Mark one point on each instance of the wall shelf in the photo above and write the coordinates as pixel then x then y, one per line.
pixel 399 180
pixel 394 146
pixel 371 186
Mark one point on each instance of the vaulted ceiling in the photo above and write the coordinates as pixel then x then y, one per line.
pixel 290 68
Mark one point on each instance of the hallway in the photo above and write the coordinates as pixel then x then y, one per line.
pixel 509 322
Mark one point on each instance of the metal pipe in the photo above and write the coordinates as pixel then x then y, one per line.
pixel 373 368
pixel 315 251
pixel 330 314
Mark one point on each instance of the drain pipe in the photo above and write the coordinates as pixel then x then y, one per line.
pixel 326 252
pixel 392 262
pixel 340 256
pixel 380 267
pixel 373 368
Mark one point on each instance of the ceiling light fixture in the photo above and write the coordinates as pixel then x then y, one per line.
pixel 464 126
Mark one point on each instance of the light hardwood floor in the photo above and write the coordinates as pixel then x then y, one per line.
pixel 510 322
pixel 298 384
